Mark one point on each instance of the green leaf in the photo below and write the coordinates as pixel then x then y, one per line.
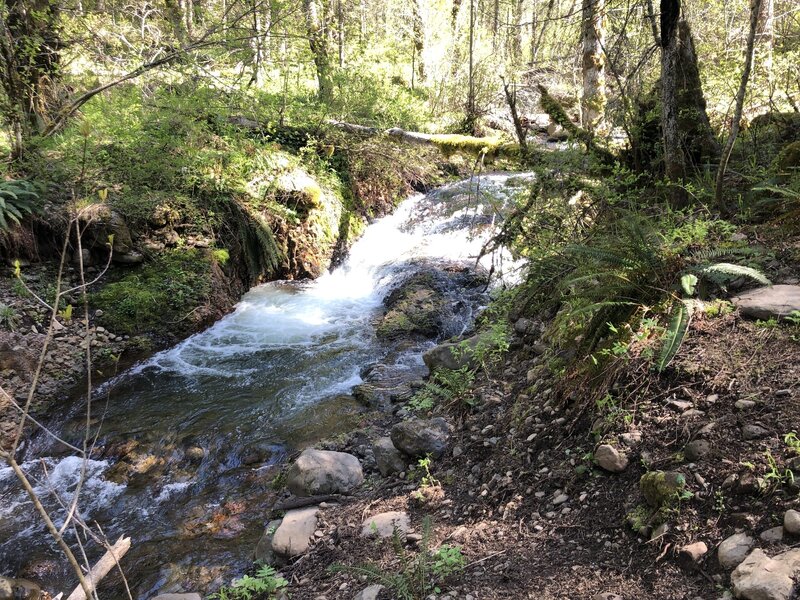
pixel 731 271
pixel 689 284
pixel 673 336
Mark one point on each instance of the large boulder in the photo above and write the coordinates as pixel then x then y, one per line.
pixel 324 472
pixel 769 302
pixel 414 309
pixel 420 437
pixel 760 577
pixel 388 458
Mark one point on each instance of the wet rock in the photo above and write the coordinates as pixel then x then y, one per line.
pixel 195 454
pixel 773 535
pixel 610 459
pixel 293 535
pixel 791 522
pixel 263 552
pixel 691 555
pixel 419 437
pixel 388 458
pixel 383 525
pixel 369 593
pixel 182 596
pixel 751 431
pixel 19 589
pixel 696 450
pixel 733 550
pixel 760 577
pixel 661 487
pixel 415 309
pixel 769 302
pixel 324 472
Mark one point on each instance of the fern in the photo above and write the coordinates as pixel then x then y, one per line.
pixel 675 333
pixel 727 272
pixel 18 198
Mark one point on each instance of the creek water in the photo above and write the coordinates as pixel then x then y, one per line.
pixel 269 378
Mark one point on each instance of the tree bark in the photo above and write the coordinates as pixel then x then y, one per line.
pixel 766 34
pixel 674 159
pixel 103 566
pixel 516 32
pixel 593 102
pixel 755 10
pixel 29 65
pixel 318 42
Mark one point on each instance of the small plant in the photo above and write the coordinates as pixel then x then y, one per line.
pixel 18 198
pixel 264 584
pixel 792 441
pixel 420 574
pixel 443 386
pixel 423 471
pixel 9 317
pixel 775 475
pixel 719 501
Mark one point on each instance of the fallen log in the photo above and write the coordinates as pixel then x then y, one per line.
pixel 108 561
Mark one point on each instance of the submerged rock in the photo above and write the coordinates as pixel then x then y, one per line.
pixel 324 472
pixel 769 302
pixel 760 577
pixel 419 437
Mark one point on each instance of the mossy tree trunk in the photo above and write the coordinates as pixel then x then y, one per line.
pixel 29 66
pixel 318 42
pixel 593 103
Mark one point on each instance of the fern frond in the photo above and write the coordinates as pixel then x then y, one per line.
pixel 715 253
pixel 728 271
pixel 673 336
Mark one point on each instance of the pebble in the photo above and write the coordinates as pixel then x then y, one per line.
pixel 791 522
pixel 752 431
pixel 772 535
pixel 744 404
pixel 560 499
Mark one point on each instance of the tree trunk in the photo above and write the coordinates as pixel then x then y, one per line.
pixel 340 32
pixel 593 103
pixel 674 159
pixel 516 32
pixel 174 12
pixel 766 35
pixel 755 10
pixel 470 122
pixel 318 42
pixel 257 44
pixel 29 66
pixel 419 39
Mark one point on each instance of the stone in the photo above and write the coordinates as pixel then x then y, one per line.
pixel 769 302
pixel 556 133
pixel 744 404
pixel 607 596
pixel 388 458
pixel 733 550
pixel 610 459
pixel 19 589
pixel 773 535
pixel 383 525
pixel 369 593
pixel 661 487
pixel 696 450
pixel 791 522
pixel 751 431
pixel 263 552
pixel 187 596
pixel 691 555
pixel 760 577
pixel 420 437
pixel 195 454
pixel 324 472
pixel 292 536
pixel 456 355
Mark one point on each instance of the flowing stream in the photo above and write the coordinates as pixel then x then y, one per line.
pixel 191 439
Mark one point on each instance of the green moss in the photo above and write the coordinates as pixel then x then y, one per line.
pixel 221 255
pixel 156 296
pixel 451 143
pixel 661 488
pixel 789 158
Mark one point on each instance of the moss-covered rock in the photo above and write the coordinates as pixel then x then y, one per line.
pixel 414 309
pixel 789 158
pixel 660 488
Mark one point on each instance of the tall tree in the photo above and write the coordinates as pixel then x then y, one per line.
pixel 318 42
pixel 766 34
pixel 755 10
pixel 29 65
pixel 674 160
pixel 593 103
pixel 418 30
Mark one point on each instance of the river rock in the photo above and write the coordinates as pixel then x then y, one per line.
pixel 263 552
pixel 184 596
pixel 19 589
pixel 383 525
pixel 414 309
pixel 760 577
pixel 769 302
pixel 293 535
pixel 456 355
pixel 791 522
pixel 388 458
pixel 369 593
pixel 733 550
pixel 324 472
pixel 751 431
pixel 773 535
pixel 610 459
pixel 661 487
pixel 691 555
pixel 420 437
